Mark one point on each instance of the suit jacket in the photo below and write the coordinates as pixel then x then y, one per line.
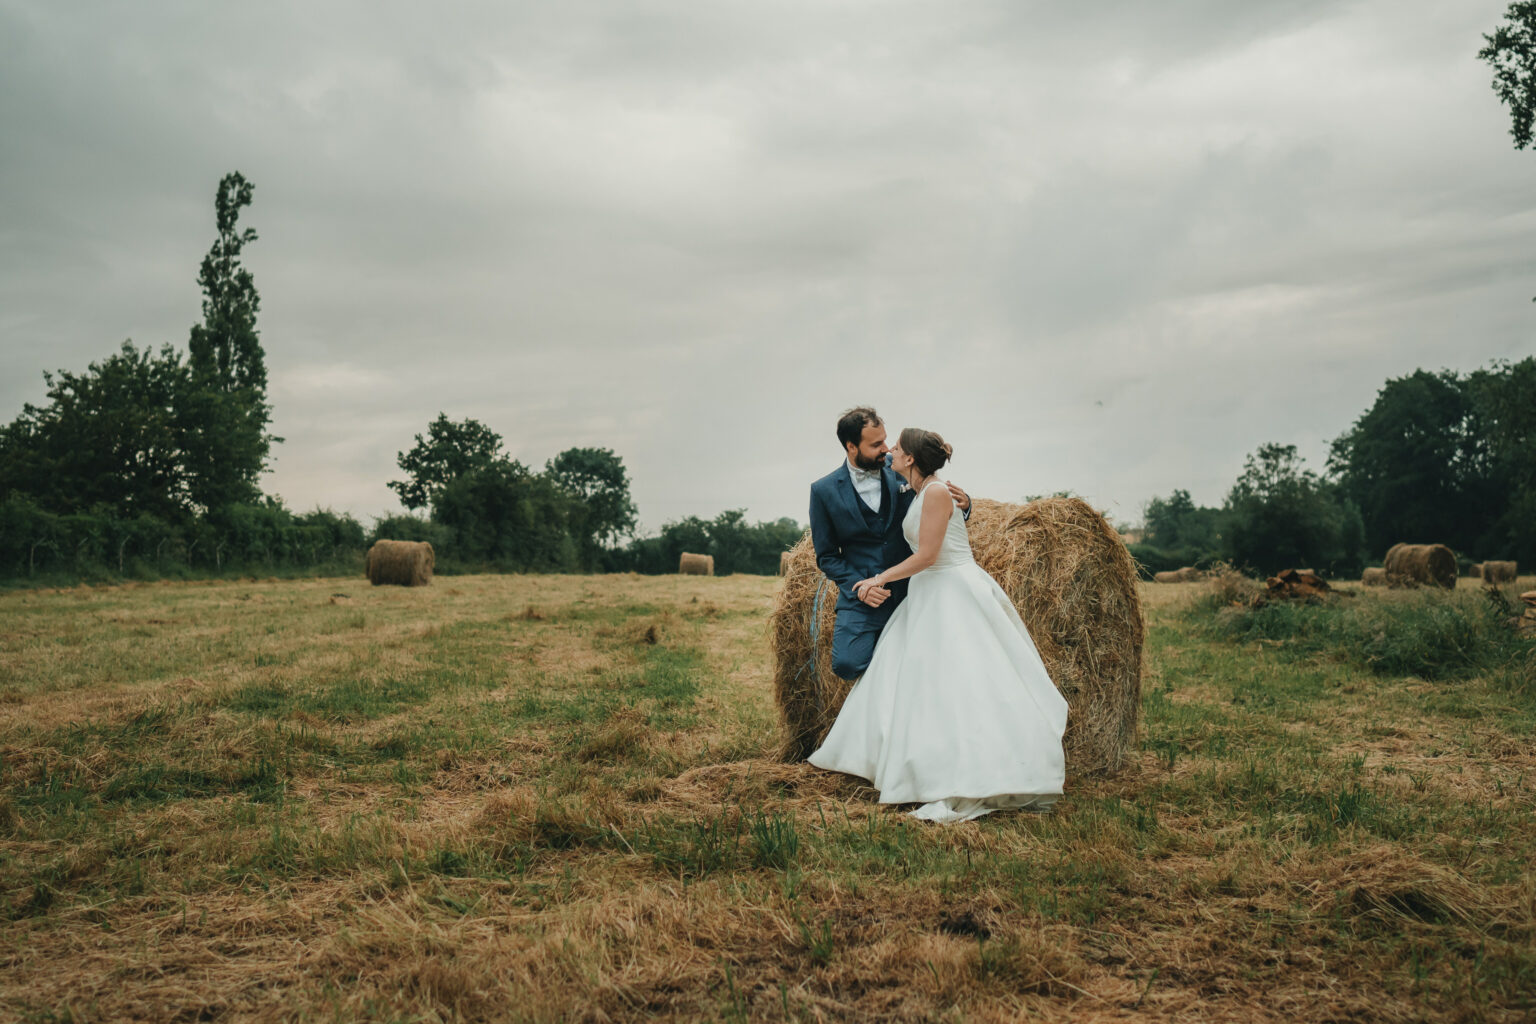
pixel 847 549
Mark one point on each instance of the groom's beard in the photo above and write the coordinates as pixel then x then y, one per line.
pixel 878 462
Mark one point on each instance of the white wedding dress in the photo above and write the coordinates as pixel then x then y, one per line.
pixel 956 710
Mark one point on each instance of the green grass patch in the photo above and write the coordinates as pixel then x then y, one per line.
pixel 160 782
pixel 1429 634
pixel 353 700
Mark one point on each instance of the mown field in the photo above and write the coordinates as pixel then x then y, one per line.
pixel 549 798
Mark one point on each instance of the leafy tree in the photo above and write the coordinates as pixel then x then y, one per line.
pixel 736 545
pixel 1178 533
pixel 1511 52
pixel 771 540
pixel 1280 515
pixel 225 414
pixel 450 450
pixel 1176 522
pixel 742 547
pixel 730 542
pixel 1419 466
pixel 689 534
pixel 416 527
pixel 1505 395
pixel 107 439
pixel 499 512
pixel 601 511
pixel 504 515
pixel 225 348
pixel 330 532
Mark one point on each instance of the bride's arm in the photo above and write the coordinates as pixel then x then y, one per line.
pixel 938 506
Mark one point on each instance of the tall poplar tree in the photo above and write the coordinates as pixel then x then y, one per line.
pixel 225 415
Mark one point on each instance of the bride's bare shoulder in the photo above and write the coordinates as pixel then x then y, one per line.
pixel 936 495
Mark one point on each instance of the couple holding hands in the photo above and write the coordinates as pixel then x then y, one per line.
pixel 953 708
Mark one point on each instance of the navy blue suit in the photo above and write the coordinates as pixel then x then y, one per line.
pixel 852 544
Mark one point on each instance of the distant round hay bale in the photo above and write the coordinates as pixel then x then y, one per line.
pixel 1074 584
pixel 1169 576
pixel 404 563
pixel 1432 564
pixel 1189 574
pixel 696 565
pixel 1374 577
pixel 783 562
pixel 1499 572
pixel 1476 571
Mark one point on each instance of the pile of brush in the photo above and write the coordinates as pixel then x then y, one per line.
pixel 1295 585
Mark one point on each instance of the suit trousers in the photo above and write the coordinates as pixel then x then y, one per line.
pixel 853 639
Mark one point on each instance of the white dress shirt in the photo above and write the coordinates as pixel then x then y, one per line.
pixel 869 484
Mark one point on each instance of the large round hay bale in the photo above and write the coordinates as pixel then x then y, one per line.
pixel 1074 584
pixel 1169 576
pixel 1432 564
pixel 1189 574
pixel 404 563
pixel 1374 577
pixel 696 565
pixel 1499 572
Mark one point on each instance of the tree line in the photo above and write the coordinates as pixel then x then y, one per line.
pixel 487 510
pixel 1443 457
pixel 148 462
pixel 1439 457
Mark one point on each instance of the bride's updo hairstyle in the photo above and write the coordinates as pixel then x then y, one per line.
pixel 928 450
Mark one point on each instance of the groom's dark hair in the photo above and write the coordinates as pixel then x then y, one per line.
pixel 851 424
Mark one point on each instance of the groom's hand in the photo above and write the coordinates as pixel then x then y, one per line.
pixel 870 594
pixel 961 498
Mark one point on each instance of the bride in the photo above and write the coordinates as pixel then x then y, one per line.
pixel 956 710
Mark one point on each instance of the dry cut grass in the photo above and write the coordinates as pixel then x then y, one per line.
pixel 554 798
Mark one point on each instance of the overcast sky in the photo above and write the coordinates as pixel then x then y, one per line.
pixel 1109 250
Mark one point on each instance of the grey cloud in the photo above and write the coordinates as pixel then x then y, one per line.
pixel 695 232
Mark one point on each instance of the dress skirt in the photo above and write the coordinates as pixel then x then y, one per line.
pixel 956 710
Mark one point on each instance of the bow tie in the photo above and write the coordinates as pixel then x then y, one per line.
pixel 864 475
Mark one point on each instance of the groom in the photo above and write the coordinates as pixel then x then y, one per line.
pixel 856 514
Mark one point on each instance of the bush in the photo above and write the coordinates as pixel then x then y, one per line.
pixel 1151 559
pixel 737 546
pixel 1429 634
pixel 1281 516
pixel 409 527
pixel 1228 587
pixel 40 547
pixel 505 518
